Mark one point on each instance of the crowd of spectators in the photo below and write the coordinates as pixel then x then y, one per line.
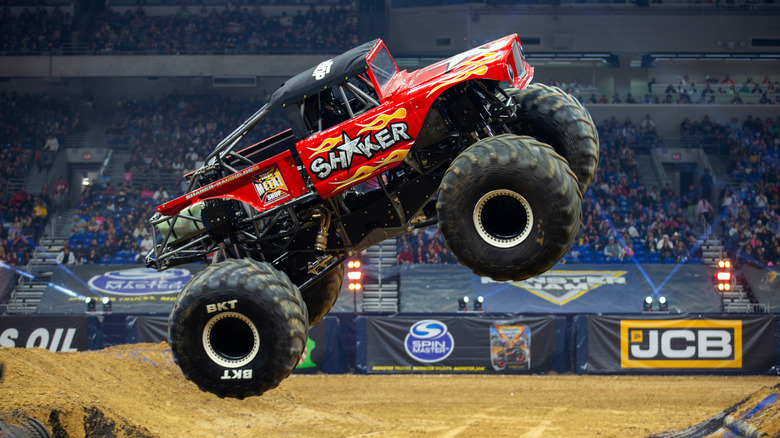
pixel 687 91
pixel 224 29
pixel 35 31
pixel 109 226
pixel 424 247
pixel 171 135
pixel 750 213
pixel 625 221
pixel 228 30
pixel 31 129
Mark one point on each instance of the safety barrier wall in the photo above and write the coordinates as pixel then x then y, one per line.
pixel 468 343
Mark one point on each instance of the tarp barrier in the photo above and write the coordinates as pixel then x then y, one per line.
pixel 765 284
pixel 451 344
pixel 7 281
pixel 569 288
pixel 54 333
pixel 670 344
pixel 324 348
pixel 132 289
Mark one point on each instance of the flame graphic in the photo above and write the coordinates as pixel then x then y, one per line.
pixel 325 146
pixel 365 171
pixel 381 121
pixel 477 66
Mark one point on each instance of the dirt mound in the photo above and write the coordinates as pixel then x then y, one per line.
pixel 756 416
pixel 137 391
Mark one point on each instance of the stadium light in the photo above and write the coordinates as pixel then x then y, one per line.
pixel 90 304
pixel 478 304
pixel 354 276
pixel 663 304
pixel 723 276
pixel 463 304
pixel 647 306
pixel 106 304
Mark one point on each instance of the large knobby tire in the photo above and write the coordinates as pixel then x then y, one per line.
pixel 322 295
pixel 20 425
pixel 238 328
pixel 554 117
pixel 509 207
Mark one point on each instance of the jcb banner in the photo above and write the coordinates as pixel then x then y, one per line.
pixel 680 344
pixel 460 345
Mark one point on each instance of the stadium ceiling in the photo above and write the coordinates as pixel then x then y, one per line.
pixel 652 59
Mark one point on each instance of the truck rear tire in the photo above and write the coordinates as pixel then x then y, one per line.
pixel 238 328
pixel 509 207
pixel 552 116
pixel 322 295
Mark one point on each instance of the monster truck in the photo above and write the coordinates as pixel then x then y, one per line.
pixel 371 153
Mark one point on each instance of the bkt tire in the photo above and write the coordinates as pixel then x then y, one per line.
pixel 509 207
pixel 238 328
pixel 322 295
pixel 554 117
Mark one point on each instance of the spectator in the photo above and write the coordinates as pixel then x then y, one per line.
pixel 406 256
pixel 613 251
pixel 704 212
pixel 66 257
pixel 706 183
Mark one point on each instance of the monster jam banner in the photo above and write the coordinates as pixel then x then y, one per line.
pixel 610 288
pixel 132 289
pixel 459 345
pixel 676 344
pixel 54 333
pixel 765 284
pixel 324 348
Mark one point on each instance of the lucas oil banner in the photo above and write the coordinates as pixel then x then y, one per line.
pixel 682 344
pixel 54 333
pixel 459 345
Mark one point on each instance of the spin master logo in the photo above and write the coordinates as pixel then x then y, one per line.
pixel 141 281
pixel 429 341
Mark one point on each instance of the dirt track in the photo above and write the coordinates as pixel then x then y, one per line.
pixel 137 391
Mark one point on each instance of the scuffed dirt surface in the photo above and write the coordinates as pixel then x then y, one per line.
pixel 137 391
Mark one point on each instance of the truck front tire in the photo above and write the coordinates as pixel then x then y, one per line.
pixel 509 207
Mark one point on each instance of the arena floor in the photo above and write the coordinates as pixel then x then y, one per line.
pixel 137 391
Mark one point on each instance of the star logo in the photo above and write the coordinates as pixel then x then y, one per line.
pixel 350 147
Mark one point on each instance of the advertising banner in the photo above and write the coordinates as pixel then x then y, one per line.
pixel 459 345
pixel 54 333
pixel 679 344
pixel 132 289
pixel 564 289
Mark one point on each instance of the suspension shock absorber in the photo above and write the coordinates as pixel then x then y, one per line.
pixel 321 241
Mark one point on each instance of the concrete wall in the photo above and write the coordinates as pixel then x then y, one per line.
pixel 153 65
pixel 623 30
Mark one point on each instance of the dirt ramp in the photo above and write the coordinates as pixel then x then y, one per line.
pixel 129 391
pixel 756 416
pixel 134 391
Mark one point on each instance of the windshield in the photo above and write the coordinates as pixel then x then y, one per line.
pixel 383 67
